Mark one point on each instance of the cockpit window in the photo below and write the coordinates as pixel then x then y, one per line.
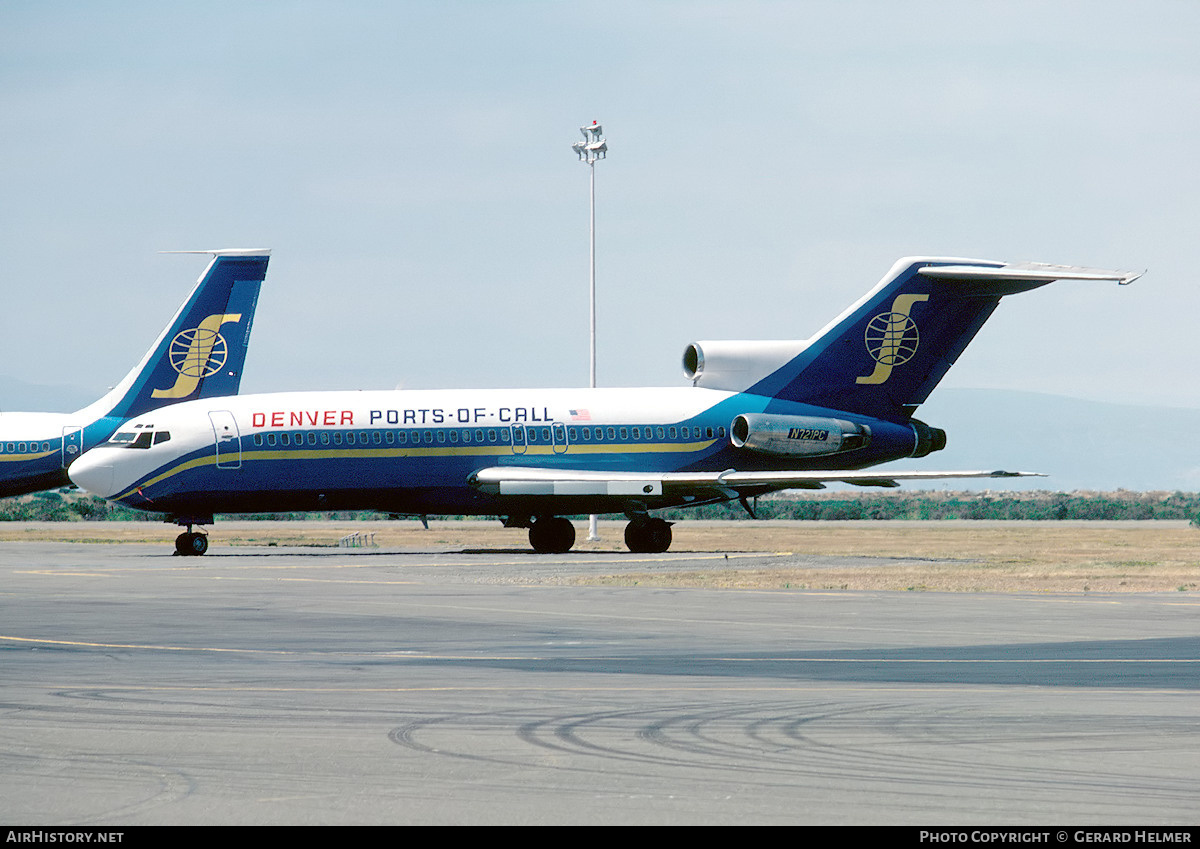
pixel 139 439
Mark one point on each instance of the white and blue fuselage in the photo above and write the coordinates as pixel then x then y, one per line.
pixel 419 451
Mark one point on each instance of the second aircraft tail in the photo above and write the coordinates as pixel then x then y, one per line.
pixel 201 353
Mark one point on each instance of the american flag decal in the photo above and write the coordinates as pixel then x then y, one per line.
pixel 580 416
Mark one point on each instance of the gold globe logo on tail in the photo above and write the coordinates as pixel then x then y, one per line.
pixel 197 353
pixel 892 338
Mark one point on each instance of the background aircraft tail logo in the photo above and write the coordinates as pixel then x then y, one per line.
pixel 892 338
pixel 195 356
pixel 197 353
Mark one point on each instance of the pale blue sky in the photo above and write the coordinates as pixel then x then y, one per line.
pixel 410 166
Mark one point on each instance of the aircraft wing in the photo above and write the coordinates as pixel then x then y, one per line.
pixel 731 483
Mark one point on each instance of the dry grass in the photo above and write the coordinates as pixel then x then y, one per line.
pixel 945 556
pixel 961 556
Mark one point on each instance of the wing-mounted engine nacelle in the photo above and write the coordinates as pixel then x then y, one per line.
pixel 929 439
pixel 797 436
pixel 734 366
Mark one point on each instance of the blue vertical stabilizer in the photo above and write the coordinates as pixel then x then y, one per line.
pixel 886 353
pixel 202 352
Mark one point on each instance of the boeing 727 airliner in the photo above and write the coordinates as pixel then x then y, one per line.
pixel 760 417
pixel 199 354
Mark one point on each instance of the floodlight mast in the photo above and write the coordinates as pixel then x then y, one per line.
pixel 593 147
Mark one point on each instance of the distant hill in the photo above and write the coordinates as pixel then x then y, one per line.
pixel 19 396
pixel 1082 445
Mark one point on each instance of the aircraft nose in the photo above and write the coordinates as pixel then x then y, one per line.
pixel 94 473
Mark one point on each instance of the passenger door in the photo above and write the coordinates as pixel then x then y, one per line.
pixel 226 436
pixel 72 444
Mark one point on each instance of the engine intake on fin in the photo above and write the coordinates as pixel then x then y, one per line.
pixel 797 436
pixel 736 365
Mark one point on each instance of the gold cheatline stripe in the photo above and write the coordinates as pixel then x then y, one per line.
pixel 16 458
pixel 368 453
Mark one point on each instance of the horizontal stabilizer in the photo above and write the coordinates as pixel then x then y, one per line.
pixel 226 252
pixel 1036 273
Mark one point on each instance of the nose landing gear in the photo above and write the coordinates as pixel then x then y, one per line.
pixel 191 543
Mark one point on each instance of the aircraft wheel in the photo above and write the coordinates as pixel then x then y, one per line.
pixel 649 537
pixel 191 544
pixel 552 535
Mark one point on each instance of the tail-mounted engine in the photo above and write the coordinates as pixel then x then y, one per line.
pixel 929 439
pixel 797 436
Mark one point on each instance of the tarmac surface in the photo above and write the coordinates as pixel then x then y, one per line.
pixel 330 686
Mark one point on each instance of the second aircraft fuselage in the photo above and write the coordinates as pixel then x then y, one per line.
pixel 37 448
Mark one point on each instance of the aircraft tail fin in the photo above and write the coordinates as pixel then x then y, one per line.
pixel 886 353
pixel 200 354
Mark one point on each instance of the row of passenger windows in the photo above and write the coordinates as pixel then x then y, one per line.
pixel 23 447
pixel 610 434
pixel 553 435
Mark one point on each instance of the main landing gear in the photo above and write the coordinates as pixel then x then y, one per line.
pixel 556 535
pixel 648 536
pixel 551 535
